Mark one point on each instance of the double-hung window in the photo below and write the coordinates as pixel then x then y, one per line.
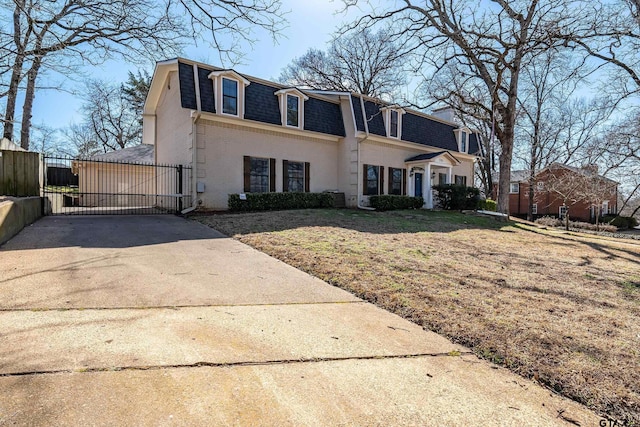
pixel 461 180
pixel 229 96
pixel 514 187
pixel 562 211
pixel 392 116
pixel 397 181
pixel 295 176
pixel 259 175
pixel 228 89
pixel 373 180
pixel 393 131
pixel 291 102
pixel 293 110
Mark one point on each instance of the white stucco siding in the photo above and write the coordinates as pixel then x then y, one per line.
pixel 221 151
pixel 173 126
pixel 465 168
pixel 379 154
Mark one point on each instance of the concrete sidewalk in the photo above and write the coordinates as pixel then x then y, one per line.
pixel 162 321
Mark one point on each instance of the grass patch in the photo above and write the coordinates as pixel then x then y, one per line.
pixel 61 189
pixel 563 309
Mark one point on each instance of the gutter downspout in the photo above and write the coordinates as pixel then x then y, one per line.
pixel 366 131
pixel 195 116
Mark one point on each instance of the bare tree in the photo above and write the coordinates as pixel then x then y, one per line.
pixel 565 187
pixel 46 35
pixel 611 35
pixel 584 185
pixel 81 141
pixel 363 61
pixel 109 116
pixel 486 47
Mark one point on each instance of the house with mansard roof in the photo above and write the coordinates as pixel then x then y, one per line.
pixel 243 134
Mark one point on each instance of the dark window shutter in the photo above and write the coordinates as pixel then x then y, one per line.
pixel 390 185
pixel 247 174
pixel 307 177
pixel 404 182
pixel 381 185
pixel 272 175
pixel 364 180
pixel 285 176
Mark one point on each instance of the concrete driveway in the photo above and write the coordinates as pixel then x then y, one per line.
pixel 162 321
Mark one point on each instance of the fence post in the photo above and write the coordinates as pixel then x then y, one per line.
pixel 179 189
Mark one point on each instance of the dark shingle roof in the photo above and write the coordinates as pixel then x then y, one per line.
pixel 261 102
pixel 427 156
pixel 187 86
pixel 422 130
pixel 474 146
pixel 357 110
pixel 322 116
pixel 142 153
pixel 207 101
pixel 415 127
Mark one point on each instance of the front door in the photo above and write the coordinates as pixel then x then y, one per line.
pixel 418 184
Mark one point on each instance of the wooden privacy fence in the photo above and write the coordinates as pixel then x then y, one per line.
pixel 19 173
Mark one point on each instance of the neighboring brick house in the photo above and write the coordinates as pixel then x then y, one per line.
pixel 548 202
pixel 242 134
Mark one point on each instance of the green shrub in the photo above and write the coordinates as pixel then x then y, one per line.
pixel 487 205
pixel 456 197
pixel 389 203
pixel 279 201
pixel 622 222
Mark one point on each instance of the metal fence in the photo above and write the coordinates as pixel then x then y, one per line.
pixel 19 173
pixel 97 187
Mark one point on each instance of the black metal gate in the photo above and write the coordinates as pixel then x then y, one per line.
pixel 96 187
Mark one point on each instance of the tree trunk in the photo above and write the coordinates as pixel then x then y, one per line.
pixel 506 155
pixel 27 108
pixel 16 76
pixel 12 96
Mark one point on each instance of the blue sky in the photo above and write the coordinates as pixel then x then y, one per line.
pixel 311 23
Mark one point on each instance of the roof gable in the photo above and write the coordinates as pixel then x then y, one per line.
pixel 435 157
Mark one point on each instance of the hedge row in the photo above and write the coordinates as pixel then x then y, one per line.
pixel 557 222
pixel 389 202
pixel 456 197
pixel 279 201
pixel 622 222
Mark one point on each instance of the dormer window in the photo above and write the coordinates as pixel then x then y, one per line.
pixel 228 89
pixel 463 135
pixel 229 96
pixel 393 121
pixel 393 129
pixel 293 110
pixel 292 107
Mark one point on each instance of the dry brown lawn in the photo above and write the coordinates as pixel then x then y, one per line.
pixel 560 308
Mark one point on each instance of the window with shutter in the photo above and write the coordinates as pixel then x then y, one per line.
pixel 259 176
pixel 294 176
pixel 373 180
pixel 396 181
